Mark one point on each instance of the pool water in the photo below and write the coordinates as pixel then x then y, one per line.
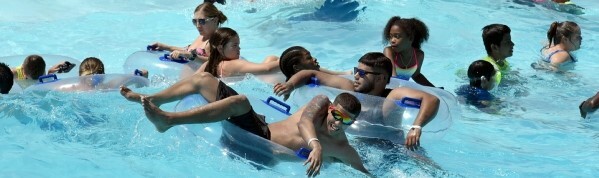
pixel 538 133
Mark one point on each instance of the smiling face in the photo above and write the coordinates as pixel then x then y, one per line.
pixel 335 119
pixel 205 25
pixel 399 39
pixel 231 50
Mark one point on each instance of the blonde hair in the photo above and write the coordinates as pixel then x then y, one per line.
pixel 211 11
pixel 91 65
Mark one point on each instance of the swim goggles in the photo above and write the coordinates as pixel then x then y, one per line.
pixel 339 116
pixel 363 73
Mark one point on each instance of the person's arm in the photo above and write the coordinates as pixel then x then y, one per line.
pixel 243 66
pixel 314 113
pixel 589 105
pixel 348 155
pixel 388 52
pixel 302 77
pixel 428 109
pixel 417 76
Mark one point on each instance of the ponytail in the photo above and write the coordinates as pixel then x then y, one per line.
pixel 419 32
pixel 551 34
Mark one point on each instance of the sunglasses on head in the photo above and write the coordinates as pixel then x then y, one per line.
pixel 201 21
pixel 339 116
pixel 363 73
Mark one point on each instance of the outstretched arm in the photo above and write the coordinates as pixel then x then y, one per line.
pixel 313 114
pixel 243 66
pixel 428 110
pixel 302 77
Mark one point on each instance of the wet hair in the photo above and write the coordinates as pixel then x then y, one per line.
pixel 34 66
pixel 290 57
pixel 90 66
pixel 211 11
pixel 478 69
pixel 378 60
pixel 223 2
pixel 220 38
pixel 559 30
pixel 6 78
pixel 349 102
pixel 413 27
pixel 493 34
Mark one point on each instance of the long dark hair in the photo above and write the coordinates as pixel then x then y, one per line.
pixel 220 38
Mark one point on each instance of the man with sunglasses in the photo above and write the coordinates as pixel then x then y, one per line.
pixel 319 126
pixel 371 77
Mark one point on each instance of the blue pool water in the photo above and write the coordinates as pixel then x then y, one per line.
pixel 538 134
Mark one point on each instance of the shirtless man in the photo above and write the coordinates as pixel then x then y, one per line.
pixel 319 125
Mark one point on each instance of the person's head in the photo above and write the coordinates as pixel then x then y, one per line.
pixel 224 45
pixel 373 72
pixel 6 79
pixel 405 33
pixel 207 18
pixel 498 41
pixel 482 75
pixel 566 33
pixel 34 66
pixel 90 66
pixel 343 112
pixel 295 59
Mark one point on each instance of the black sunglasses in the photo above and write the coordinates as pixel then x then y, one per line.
pixel 363 73
pixel 201 21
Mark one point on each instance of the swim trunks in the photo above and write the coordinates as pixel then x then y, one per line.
pixel 250 121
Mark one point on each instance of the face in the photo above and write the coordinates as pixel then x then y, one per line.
pixel 231 50
pixel 398 39
pixel 366 78
pixel 339 119
pixel 575 40
pixel 307 63
pixel 489 84
pixel 506 47
pixel 205 25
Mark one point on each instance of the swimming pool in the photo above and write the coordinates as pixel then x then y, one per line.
pixel 538 134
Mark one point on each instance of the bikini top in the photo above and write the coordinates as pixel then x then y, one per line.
pixel 548 58
pixel 405 72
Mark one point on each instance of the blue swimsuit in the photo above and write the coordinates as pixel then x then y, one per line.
pixel 474 95
pixel 548 58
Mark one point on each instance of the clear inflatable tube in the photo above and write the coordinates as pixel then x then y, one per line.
pixel 371 124
pixel 49 59
pixel 90 82
pixel 160 68
pixel 238 141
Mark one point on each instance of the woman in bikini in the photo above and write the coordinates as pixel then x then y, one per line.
pixel 406 37
pixel 206 18
pixel 224 57
pixel 564 37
